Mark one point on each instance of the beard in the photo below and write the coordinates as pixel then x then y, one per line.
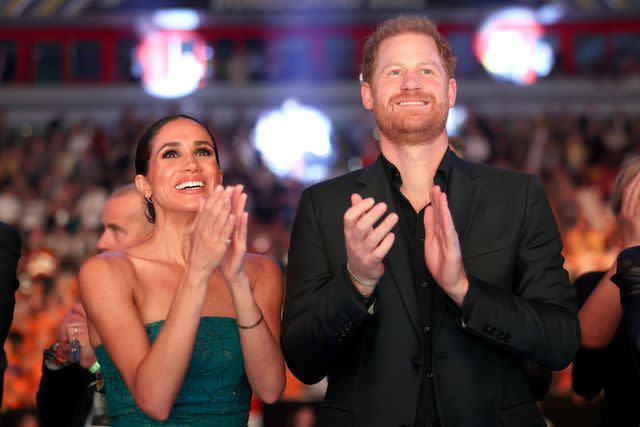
pixel 412 127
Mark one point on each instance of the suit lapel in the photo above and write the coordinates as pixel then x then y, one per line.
pixel 462 193
pixel 397 264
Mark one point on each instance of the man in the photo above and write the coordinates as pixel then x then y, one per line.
pixel 10 244
pixel 65 395
pixel 424 316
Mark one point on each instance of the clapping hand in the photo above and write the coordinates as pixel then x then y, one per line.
pixel 630 213
pixel 442 252
pixel 233 262
pixel 367 245
pixel 210 232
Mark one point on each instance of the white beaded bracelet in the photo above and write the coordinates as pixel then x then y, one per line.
pixel 365 283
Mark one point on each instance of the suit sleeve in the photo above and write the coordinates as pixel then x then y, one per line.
pixel 534 317
pixel 63 395
pixel 9 254
pixel 321 312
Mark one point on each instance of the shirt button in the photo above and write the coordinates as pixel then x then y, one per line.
pixel 429 375
pixel 427 329
pixel 415 363
pixel 424 284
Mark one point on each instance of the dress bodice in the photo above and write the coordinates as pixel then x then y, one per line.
pixel 215 391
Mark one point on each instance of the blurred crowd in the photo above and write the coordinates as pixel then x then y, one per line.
pixel 54 181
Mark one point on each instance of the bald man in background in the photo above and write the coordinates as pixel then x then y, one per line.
pixel 65 395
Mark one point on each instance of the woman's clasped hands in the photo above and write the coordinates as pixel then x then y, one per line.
pixel 217 237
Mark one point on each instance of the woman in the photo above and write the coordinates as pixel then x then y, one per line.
pixel 186 324
pixel 605 361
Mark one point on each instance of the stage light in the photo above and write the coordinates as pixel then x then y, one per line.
pixel 176 19
pixel 510 46
pixel 173 62
pixel 294 141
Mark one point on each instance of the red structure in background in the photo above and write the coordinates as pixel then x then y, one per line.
pixel 79 54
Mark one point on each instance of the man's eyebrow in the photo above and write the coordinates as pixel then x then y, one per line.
pixel 115 227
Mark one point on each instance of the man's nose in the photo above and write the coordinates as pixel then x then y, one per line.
pixel 103 242
pixel 411 81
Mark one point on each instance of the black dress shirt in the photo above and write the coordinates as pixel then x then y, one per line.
pixel 412 226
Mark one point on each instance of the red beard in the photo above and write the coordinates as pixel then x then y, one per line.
pixel 413 126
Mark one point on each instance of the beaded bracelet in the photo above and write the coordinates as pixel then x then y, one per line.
pixel 365 283
pixel 253 325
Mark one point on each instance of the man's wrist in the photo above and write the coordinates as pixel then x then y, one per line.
pixel 366 283
pixel 460 292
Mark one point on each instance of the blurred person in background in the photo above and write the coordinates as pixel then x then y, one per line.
pixel 65 394
pixel 424 316
pixel 186 324
pixel 605 360
pixel 10 247
pixel 627 278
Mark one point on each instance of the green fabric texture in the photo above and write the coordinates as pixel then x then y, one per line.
pixel 215 391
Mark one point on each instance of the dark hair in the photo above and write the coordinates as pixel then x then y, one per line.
pixel 143 151
pixel 402 25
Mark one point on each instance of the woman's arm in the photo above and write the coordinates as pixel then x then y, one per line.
pixel 256 291
pixel 600 315
pixel 263 360
pixel 154 373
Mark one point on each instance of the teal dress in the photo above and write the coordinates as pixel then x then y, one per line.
pixel 215 391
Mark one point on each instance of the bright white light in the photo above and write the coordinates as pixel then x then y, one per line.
pixel 551 13
pixel 294 141
pixel 176 19
pixel 456 120
pixel 510 46
pixel 173 63
pixel 543 59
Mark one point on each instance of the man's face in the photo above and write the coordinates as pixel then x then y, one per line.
pixel 410 92
pixel 124 222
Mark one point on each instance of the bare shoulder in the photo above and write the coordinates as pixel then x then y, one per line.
pixel 263 270
pixel 113 267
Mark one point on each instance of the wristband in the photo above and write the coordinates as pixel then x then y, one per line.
pixel 365 283
pixel 94 368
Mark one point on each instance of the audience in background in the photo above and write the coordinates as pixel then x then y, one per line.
pixel 53 182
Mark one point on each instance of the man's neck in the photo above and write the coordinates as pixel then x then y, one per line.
pixel 417 165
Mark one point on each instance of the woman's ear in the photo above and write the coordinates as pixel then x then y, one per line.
pixel 143 186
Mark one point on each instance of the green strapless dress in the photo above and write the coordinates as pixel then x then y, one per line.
pixel 215 391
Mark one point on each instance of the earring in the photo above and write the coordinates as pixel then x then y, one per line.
pixel 149 199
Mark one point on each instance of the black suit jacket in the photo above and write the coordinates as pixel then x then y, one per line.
pixel 520 306
pixel 10 244
pixel 65 396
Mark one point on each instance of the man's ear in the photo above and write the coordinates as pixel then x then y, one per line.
pixel 453 91
pixel 367 95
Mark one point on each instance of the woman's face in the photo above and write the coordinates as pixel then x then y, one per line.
pixel 182 166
